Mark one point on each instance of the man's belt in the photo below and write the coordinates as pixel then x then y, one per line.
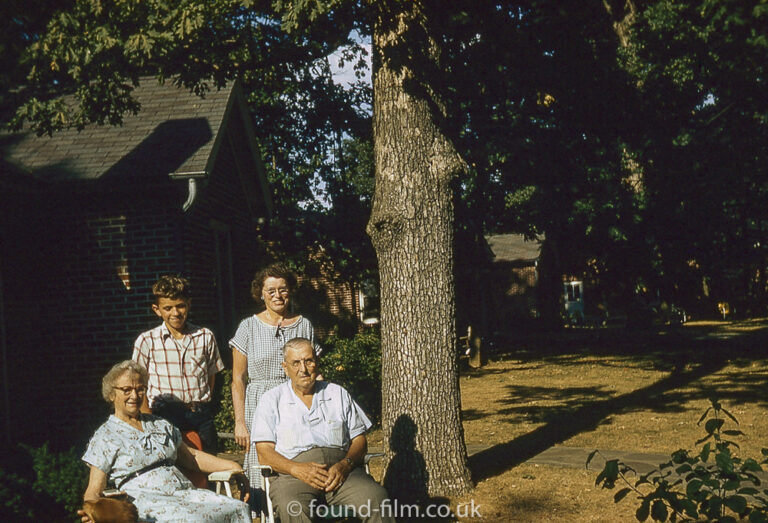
pixel 156 464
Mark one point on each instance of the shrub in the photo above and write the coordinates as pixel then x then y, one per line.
pixel 713 484
pixel 355 364
pixel 225 417
pixel 48 486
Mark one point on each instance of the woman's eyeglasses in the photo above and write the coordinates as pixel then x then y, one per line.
pixel 127 390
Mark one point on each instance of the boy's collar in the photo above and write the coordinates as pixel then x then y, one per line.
pixel 187 329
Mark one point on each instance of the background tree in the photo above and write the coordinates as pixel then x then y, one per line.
pixel 700 68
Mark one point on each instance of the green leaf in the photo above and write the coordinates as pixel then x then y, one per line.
pixel 643 479
pixel 724 462
pixel 659 510
pixel 713 425
pixel 680 456
pixel 689 507
pixel 714 506
pixel 643 510
pixel 703 416
pixel 736 503
pixel 693 487
pixel 751 465
pixel 733 433
pixel 705 450
pixel 621 494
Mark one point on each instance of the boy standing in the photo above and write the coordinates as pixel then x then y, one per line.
pixel 182 360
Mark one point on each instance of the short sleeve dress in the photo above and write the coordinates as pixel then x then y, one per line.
pixel 262 345
pixel 163 494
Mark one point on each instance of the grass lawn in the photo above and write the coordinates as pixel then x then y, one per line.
pixel 606 389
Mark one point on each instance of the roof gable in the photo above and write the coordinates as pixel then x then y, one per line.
pixel 514 248
pixel 174 131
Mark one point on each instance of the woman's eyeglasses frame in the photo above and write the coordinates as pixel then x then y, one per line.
pixel 127 390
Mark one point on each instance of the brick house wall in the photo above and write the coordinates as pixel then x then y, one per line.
pixel 109 249
pixel 331 303
pixel 105 251
pixel 513 294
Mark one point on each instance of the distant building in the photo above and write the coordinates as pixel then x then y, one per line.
pixel 514 278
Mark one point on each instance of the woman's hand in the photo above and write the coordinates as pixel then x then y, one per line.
pixel 85 518
pixel 242 436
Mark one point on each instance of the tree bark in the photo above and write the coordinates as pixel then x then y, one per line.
pixel 411 227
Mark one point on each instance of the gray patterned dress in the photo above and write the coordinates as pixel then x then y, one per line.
pixel 163 494
pixel 262 345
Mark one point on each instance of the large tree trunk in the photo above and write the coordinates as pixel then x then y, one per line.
pixel 411 227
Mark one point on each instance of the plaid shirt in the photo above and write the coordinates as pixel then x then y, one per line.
pixel 179 370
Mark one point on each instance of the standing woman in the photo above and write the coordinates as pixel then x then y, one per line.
pixel 257 352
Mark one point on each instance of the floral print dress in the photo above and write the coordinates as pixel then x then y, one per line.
pixel 163 494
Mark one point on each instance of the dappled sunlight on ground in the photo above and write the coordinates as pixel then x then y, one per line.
pixel 609 392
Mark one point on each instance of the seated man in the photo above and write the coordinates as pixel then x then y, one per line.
pixel 313 434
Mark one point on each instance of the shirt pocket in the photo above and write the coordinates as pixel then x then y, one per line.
pixel 195 363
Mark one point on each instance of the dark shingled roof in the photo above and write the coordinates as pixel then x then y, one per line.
pixel 174 132
pixel 514 247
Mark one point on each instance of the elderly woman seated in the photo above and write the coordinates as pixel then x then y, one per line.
pixel 138 452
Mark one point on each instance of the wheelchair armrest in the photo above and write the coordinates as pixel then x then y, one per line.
pixel 222 475
pixel 370 456
pixel 222 479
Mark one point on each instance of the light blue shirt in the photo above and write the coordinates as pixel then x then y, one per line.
pixel 333 421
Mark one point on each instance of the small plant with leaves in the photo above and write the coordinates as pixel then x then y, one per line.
pixel 711 484
pixel 355 364
pixel 225 417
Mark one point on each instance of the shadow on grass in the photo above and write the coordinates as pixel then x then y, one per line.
pixel 689 355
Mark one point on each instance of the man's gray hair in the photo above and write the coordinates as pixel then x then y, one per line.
pixel 117 370
pixel 297 343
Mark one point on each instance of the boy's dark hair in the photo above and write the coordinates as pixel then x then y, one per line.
pixel 276 270
pixel 171 286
